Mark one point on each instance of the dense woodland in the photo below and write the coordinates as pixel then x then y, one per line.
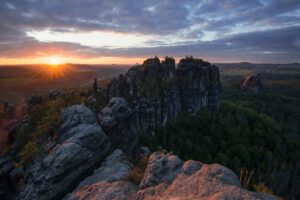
pixel 258 133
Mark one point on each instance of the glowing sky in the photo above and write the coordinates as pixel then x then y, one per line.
pixel 127 31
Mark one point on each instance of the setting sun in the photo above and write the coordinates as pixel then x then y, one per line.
pixel 54 61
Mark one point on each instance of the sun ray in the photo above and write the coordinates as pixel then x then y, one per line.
pixel 51 71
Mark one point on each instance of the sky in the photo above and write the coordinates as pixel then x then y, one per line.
pixel 128 31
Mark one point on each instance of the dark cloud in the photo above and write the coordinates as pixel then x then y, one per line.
pixel 239 27
pixel 277 45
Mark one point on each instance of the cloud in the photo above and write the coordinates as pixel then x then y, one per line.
pixel 261 30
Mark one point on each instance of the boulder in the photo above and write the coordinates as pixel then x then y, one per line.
pixel 117 121
pixel 162 168
pixel 107 182
pixel 83 145
pixel 119 107
pixel 143 151
pixel 166 177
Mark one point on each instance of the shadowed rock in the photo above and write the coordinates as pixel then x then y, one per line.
pixel 117 121
pixel 156 92
pixel 111 174
pixel 83 145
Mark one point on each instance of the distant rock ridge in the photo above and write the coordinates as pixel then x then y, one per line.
pixel 155 92
pixel 251 83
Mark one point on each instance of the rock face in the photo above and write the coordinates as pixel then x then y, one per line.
pixel 116 120
pixel 107 181
pixel 53 94
pixel 9 176
pixel 166 177
pixel 9 110
pixel 83 145
pixel 251 84
pixel 157 91
pixel 35 99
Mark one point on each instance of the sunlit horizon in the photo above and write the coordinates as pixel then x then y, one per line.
pixel 114 61
pixel 108 32
pixel 62 60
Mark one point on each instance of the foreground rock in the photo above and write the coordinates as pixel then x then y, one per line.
pixel 9 177
pixel 107 181
pixel 83 145
pixel 166 177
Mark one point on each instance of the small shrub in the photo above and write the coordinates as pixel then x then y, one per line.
pixel 245 177
pixel 137 174
pixel 29 151
pixel 261 187
pixel 43 125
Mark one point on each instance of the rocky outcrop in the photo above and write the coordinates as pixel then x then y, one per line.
pixel 106 181
pixel 53 94
pixel 9 111
pixel 251 84
pixel 36 99
pixel 143 151
pixel 157 91
pixel 117 121
pixel 82 146
pixel 9 177
pixel 166 177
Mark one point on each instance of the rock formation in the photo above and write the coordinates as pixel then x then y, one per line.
pixel 9 177
pixel 117 121
pixel 251 84
pixel 82 146
pixel 166 177
pixel 9 110
pixel 157 91
pixel 53 94
pixel 146 97
pixel 36 99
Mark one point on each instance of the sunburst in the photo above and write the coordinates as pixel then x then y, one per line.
pixel 55 71
pixel 52 71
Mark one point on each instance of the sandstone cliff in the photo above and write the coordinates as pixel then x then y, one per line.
pixel 156 92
